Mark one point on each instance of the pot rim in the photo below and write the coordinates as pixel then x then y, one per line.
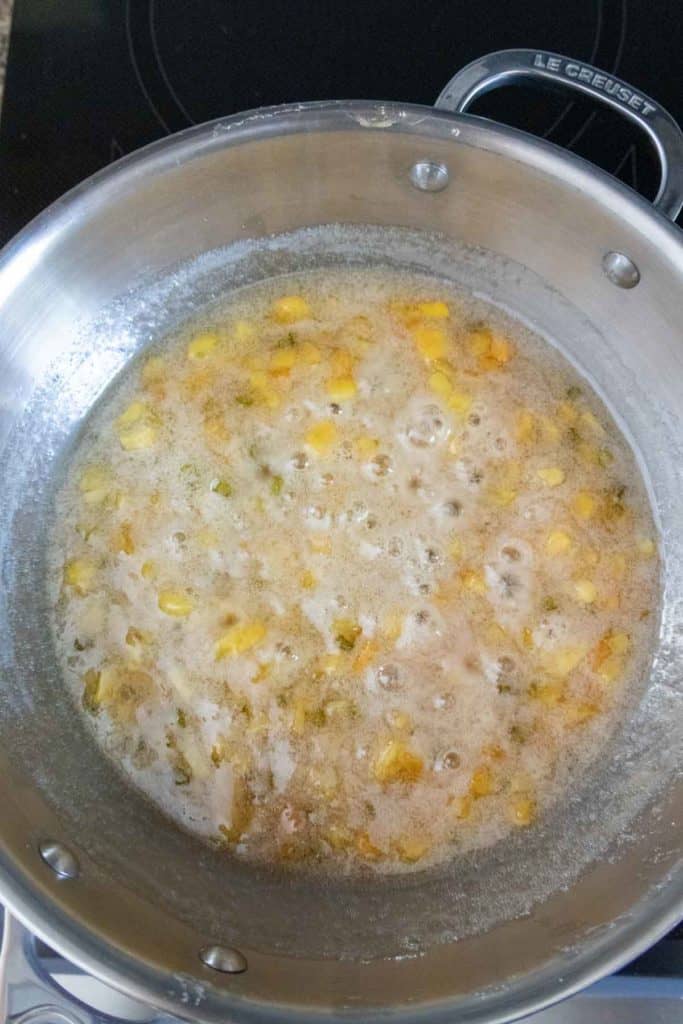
pixel 653 916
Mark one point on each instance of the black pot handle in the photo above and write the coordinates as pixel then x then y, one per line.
pixel 511 67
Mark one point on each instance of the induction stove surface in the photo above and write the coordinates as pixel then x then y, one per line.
pixel 89 81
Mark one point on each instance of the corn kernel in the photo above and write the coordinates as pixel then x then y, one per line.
pixel 308 580
pixel 365 656
pixel 550 693
pixel 289 309
pixel 410 850
pixel 222 487
pixel 593 424
pixel 95 485
pixel 138 437
pixel 479 342
pixel 329 663
pixel 578 712
pixel 175 603
pixel 243 331
pixel 434 310
pixel 309 354
pixel 584 505
pixel 564 660
pixel 522 811
pixel 322 436
pixel 392 626
pixel 202 345
pixel 396 763
pixel 79 574
pixel 148 570
pixel 122 539
pixel 338 837
pixel 460 402
pixel 462 806
pixel 440 384
pixel 241 637
pixel 585 591
pixel 473 579
pixel 526 426
pixel 558 542
pixel 455 548
pixel 346 632
pixel 500 350
pixel 646 547
pixel 340 389
pixel 366 848
pixel 283 360
pixel 552 476
pixel 527 638
pixel 365 447
pixel 430 342
pixel 132 414
pixel 481 783
pixel 341 362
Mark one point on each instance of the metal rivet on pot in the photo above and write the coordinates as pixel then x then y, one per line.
pixel 621 270
pixel 429 176
pixel 223 959
pixel 60 859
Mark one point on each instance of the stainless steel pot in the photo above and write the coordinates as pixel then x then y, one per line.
pixel 85 862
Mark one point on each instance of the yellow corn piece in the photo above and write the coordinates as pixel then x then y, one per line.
pixel 567 413
pixel 309 355
pixel 346 632
pixel 455 548
pixel 95 485
pixel 522 810
pixel 148 570
pixel 525 429
pixel 564 660
pixel 430 342
pixel 329 663
pixel 433 310
pixel 241 637
pixel 365 656
pixel 132 414
pixel 322 436
pixel 558 542
pixel 411 849
pixel 578 712
pixel 479 342
pixel 289 309
pixel 584 504
pixel 392 627
pixel 340 389
pixel 462 806
pixel 527 638
pixel 592 423
pixel 175 603
pixel 552 476
pixel 646 547
pixel 79 574
pixel 282 360
pixel 308 580
pixel 609 656
pixel 365 447
pixel 135 427
pixel 243 331
pixel 585 591
pixel 549 693
pixel 365 848
pixel 460 402
pixel 440 384
pixel 397 763
pixel 321 545
pixel 122 539
pixel 202 345
pixel 338 837
pixel 474 580
pixel 481 783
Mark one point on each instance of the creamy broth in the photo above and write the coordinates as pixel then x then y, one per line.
pixel 355 572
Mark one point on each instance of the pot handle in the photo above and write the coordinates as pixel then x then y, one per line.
pixel 510 67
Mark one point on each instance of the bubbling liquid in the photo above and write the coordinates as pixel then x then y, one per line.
pixel 355 572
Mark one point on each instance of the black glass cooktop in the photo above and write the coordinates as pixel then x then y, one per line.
pixel 91 80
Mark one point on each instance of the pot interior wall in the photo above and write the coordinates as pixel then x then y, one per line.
pixel 124 264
